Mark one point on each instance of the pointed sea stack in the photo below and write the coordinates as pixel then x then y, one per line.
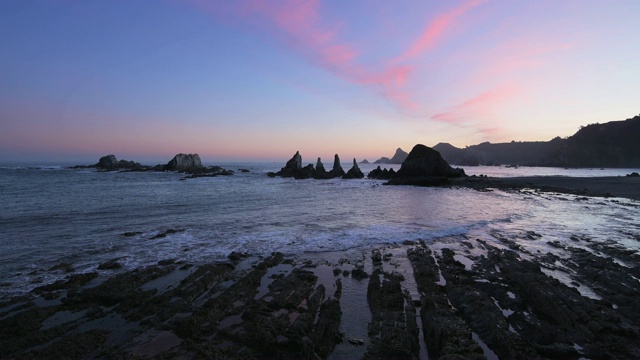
pixel 292 168
pixel 354 172
pixel 337 170
pixel 320 170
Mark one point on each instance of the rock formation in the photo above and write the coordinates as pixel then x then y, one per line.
pixel 189 164
pixel 291 168
pixel 365 161
pixel 337 170
pixel 110 162
pixel 382 174
pixel 184 162
pixel 107 162
pixel 294 169
pixel 424 166
pixel 424 161
pixel 320 171
pixel 354 172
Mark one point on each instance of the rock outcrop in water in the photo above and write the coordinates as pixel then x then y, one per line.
pixel 354 172
pixel 110 162
pixel 184 162
pixel 424 166
pixel 293 168
pixel 424 161
pixel 337 168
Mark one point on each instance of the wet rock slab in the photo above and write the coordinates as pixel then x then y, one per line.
pixel 460 298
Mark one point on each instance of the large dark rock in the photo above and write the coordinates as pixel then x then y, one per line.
pixel 184 162
pixel 108 162
pixel 424 161
pixel 354 172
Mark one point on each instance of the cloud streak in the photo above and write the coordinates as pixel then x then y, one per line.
pixel 436 30
pixel 302 27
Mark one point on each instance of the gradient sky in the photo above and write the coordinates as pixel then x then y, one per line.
pixel 259 79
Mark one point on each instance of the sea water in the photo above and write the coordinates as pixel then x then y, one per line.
pixel 51 215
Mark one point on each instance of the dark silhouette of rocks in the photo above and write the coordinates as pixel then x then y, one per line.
pixel 612 144
pixel 294 169
pixel 365 161
pixel 337 168
pixel 111 163
pixel 424 166
pixel 320 171
pixel 424 161
pixel 397 158
pixel 354 172
pixel 382 174
pixel 189 164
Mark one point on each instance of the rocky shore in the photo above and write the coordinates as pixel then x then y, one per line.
pixel 455 298
pixel 622 186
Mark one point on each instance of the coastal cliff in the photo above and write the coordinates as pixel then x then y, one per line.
pixel 612 144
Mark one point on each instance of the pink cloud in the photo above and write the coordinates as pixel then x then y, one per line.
pixel 300 25
pixel 479 107
pixel 436 29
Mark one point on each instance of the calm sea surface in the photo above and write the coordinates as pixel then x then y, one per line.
pixel 50 215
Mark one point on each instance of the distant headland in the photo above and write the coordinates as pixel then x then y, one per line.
pixel 613 144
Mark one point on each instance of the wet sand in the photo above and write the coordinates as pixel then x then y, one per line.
pixel 458 297
pixel 622 186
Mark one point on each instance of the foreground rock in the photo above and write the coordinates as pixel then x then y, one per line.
pixel 455 298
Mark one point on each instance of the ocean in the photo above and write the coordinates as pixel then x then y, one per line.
pixel 81 217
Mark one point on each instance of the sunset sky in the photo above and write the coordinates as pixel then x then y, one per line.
pixel 258 80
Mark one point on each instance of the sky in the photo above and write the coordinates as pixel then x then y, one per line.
pixel 253 80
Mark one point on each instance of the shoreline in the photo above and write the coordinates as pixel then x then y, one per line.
pixel 459 296
pixel 613 186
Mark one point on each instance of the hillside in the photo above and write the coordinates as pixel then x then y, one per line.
pixel 397 158
pixel 612 144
